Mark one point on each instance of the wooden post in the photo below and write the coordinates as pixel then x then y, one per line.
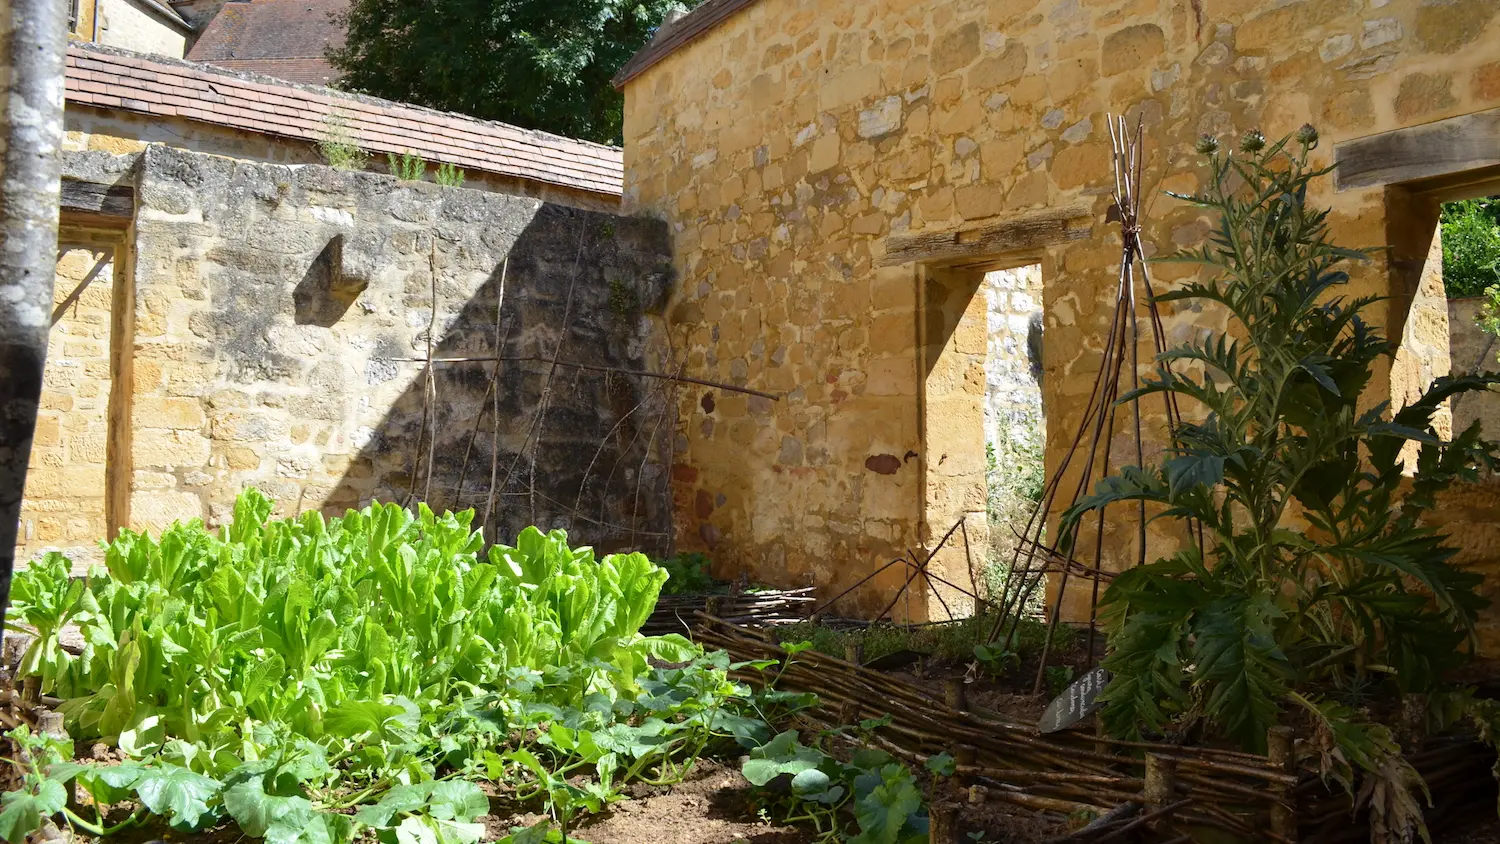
pixel 1100 747
pixel 955 693
pixel 848 712
pixel 965 756
pixel 714 606
pixel 854 652
pixel 944 829
pixel 51 723
pixel 1161 781
pixel 1282 744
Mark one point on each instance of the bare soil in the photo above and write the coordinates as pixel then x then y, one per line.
pixel 712 806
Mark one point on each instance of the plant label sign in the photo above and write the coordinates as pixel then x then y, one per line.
pixel 1077 703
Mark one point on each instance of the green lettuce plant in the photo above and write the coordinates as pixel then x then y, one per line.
pixel 1306 578
pixel 277 673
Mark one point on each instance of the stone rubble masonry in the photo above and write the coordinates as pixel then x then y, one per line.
pixel 1474 351
pixel 1013 397
pixel 266 308
pixel 784 145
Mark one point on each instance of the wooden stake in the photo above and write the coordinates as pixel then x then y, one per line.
pixel 1161 776
pixel 965 756
pixel 1282 744
pixel 854 652
pixel 955 693
pixel 944 829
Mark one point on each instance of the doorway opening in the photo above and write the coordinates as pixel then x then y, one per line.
pixel 983 425
pixel 66 503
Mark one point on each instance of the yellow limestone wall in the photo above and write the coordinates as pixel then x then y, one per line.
pixel 786 145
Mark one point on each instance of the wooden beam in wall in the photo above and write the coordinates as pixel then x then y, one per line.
pixel 97 205
pixel 1021 236
pixel 1444 148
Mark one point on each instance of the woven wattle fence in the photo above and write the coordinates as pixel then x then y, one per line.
pixel 678 613
pixel 1138 790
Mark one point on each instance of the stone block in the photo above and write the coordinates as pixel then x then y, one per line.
pixel 825 154
pixel 1444 26
pixel 173 413
pixel 1486 83
pixel 1131 48
pixel 880 119
pixel 998 70
pixel 154 511
pixel 157 448
pixel 974 202
pixel 850 86
pixel 1081 165
pixel 1424 94
pixel 242 457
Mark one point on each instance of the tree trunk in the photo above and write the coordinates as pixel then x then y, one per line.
pixel 33 38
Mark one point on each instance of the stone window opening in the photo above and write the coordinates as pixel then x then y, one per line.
pixel 982 420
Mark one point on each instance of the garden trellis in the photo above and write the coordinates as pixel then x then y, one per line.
pixel 1091 454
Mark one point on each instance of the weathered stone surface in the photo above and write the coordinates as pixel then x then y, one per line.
pixel 1443 26
pixel 881 119
pixel 760 230
pixel 956 49
pixel 1132 48
pixel 1424 93
pixel 277 360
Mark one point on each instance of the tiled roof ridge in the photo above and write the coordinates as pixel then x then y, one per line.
pixel 378 125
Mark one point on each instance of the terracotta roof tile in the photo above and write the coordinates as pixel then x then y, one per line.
pixel 109 77
pixel 271 29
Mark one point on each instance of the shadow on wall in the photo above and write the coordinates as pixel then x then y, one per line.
pixel 575 448
pixel 281 334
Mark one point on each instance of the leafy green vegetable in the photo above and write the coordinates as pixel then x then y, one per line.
pixel 277 673
pixel 882 794
pixel 24 810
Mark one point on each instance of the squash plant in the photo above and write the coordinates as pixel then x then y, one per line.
pixel 1311 581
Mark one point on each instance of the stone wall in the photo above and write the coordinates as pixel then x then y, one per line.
pixel 1474 350
pixel 1013 390
pixel 130 25
pixel 790 141
pixel 278 317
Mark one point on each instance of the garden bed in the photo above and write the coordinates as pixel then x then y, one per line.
pixel 1178 789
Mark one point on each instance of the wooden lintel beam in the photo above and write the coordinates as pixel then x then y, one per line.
pixel 96 204
pixel 1437 149
pixel 1018 236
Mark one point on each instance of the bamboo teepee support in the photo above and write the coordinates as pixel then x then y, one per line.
pixel 1091 452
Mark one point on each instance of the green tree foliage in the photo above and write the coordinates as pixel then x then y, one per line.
pixel 1471 246
pixel 541 64
pixel 1314 583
